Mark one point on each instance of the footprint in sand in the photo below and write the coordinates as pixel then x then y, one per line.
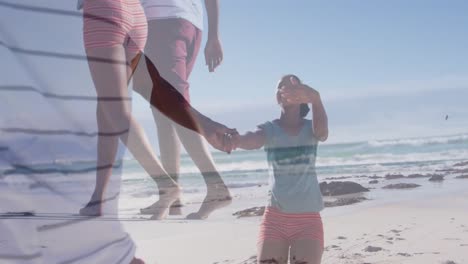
pixel 251 260
pixel 373 249
pixel 335 247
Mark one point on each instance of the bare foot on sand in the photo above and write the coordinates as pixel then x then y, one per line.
pixel 214 200
pixel 94 206
pixel 176 208
pixel 137 261
pixel 91 209
pixel 160 209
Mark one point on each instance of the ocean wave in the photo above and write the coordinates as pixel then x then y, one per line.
pixel 362 159
pixel 260 164
pixel 420 141
pixel 233 185
pixel 247 169
pixel 246 184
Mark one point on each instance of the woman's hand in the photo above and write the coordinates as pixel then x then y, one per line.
pixel 218 135
pixel 297 93
pixel 213 53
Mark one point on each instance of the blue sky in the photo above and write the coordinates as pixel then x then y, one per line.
pixel 385 69
pixel 399 53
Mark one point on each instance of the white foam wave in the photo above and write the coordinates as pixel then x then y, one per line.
pixel 260 164
pixel 420 141
pixel 362 159
pixel 246 184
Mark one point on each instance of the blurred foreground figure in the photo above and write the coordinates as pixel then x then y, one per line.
pixel 60 133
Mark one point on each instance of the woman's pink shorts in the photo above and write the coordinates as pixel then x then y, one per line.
pixel 277 225
pixel 109 23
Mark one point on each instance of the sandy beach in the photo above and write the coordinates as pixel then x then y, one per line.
pixel 429 225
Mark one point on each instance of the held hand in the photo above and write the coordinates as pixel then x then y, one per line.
pixel 218 136
pixel 297 93
pixel 234 140
pixel 213 53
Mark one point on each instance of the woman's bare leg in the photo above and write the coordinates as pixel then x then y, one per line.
pixel 114 117
pixel 217 193
pixel 137 261
pixel 169 146
pixel 273 252
pixel 169 134
pixel 306 251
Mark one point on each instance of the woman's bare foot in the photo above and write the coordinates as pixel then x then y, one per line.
pixel 176 208
pixel 137 261
pixel 92 208
pixel 160 209
pixel 215 199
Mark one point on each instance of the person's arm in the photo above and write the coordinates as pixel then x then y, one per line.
pixel 319 117
pixel 249 141
pixel 302 94
pixel 213 48
pixel 171 103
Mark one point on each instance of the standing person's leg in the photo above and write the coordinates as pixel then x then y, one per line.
pixel 107 78
pixel 166 47
pixel 173 45
pixel 169 147
pixel 138 144
pixel 115 121
pixel 109 63
pixel 217 193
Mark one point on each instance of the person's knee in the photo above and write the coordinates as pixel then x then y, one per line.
pixel 116 116
pixel 192 141
pixel 164 124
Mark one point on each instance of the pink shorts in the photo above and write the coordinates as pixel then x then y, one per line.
pixel 110 23
pixel 173 46
pixel 277 225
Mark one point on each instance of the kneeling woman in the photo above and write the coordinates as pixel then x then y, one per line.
pixel 291 224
